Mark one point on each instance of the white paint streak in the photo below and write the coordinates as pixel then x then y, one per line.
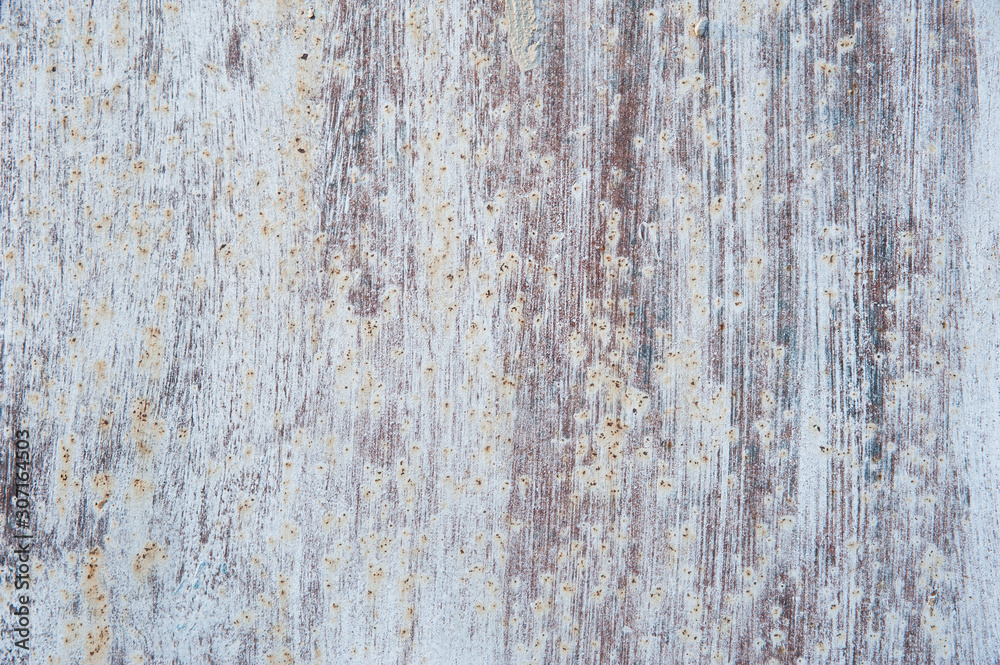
pixel 522 26
pixel 980 416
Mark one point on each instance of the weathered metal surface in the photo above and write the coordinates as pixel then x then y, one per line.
pixel 452 332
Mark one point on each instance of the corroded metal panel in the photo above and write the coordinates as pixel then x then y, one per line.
pixel 516 332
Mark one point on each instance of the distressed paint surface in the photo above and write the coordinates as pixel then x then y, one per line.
pixel 365 333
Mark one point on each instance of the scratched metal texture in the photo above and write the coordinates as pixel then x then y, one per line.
pixel 346 336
